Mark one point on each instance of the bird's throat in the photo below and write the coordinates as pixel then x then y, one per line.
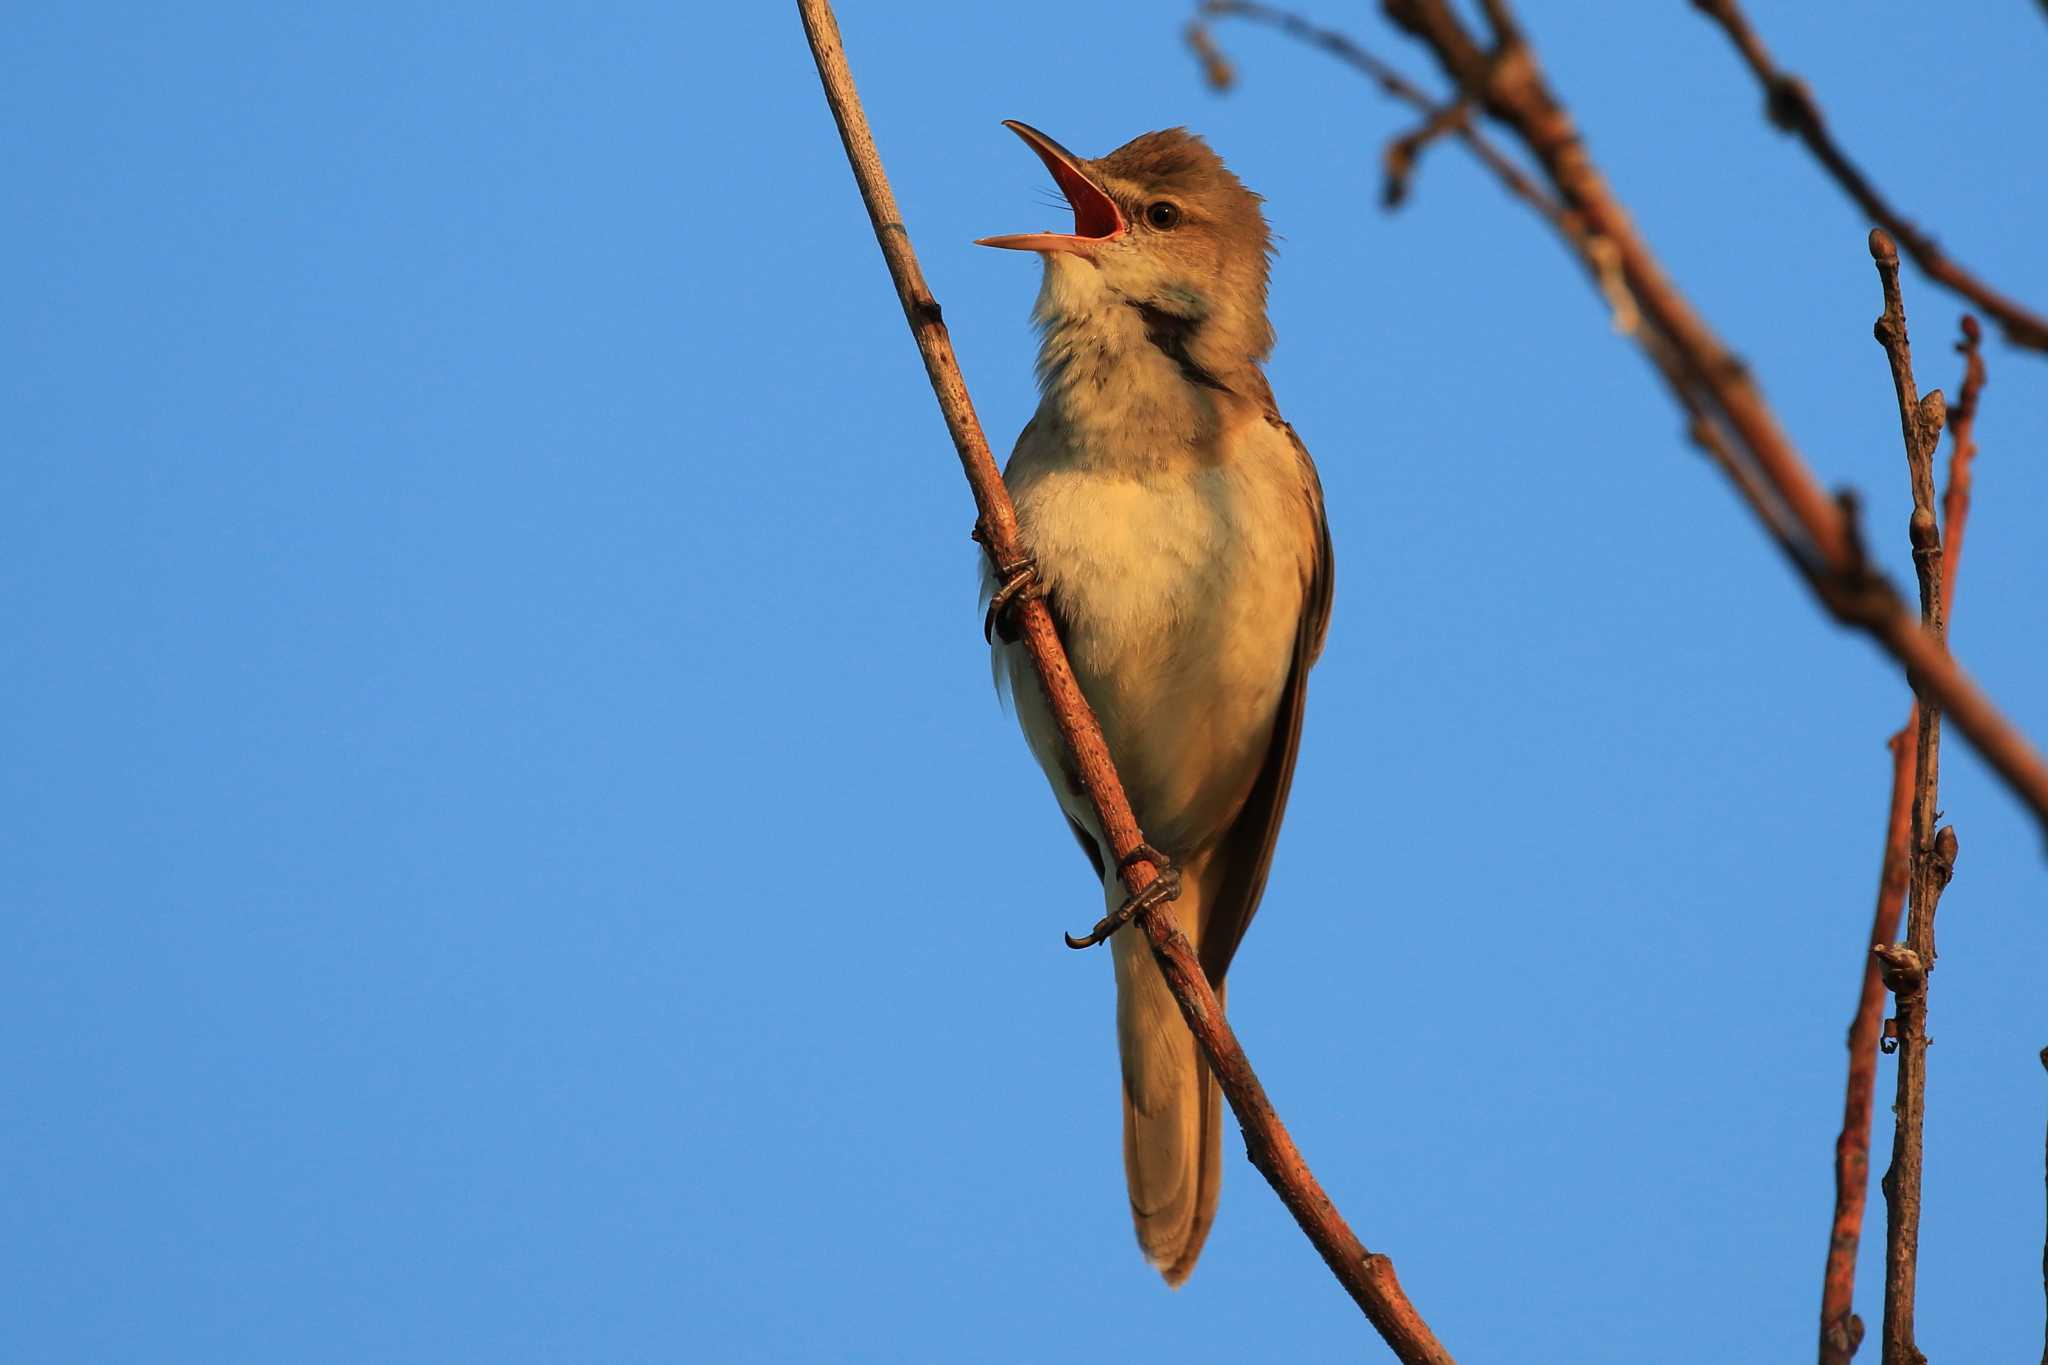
pixel 1121 375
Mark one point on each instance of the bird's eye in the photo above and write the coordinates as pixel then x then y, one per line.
pixel 1162 214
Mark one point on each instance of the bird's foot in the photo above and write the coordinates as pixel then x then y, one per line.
pixel 1015 581
pixel 1160 890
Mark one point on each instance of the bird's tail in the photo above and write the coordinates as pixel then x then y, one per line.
pixel 1173 1111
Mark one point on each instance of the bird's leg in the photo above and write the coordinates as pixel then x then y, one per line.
pixel 1015 580
pixel 1160 890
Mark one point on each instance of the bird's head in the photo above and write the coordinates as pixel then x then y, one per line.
pixel 1161 224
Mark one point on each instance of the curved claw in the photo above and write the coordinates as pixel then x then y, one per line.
pixel 1018 577
pixel 1159 891
pixel 1094 936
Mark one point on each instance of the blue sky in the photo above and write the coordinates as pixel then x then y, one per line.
pixel 513 853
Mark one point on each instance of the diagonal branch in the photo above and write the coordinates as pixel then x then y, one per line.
pixel 1367 1276
pixel 1791 107
pixel 1728 417
pixel 1815 530
pixel 1840 1329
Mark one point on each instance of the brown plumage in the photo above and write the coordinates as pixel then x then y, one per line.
pixel 1178 529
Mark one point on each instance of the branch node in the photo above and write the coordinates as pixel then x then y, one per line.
pixel 1923 531
pixel 1904 976
pixel 1943 868
pixel 1623 313
pixel 1845 1334
pixel 1933 415
pixel 1404 151
pixel 1789 104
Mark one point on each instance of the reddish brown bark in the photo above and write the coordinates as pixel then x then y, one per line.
pixel 1840 1329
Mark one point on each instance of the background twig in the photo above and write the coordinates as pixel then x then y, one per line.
pixel 1932 854
pixel 1790 106
pixel 1729 415
pixel 1840 1329
pixel 1368 1276
pixel 1450 115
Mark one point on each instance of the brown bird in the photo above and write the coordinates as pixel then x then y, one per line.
pixel 1176 525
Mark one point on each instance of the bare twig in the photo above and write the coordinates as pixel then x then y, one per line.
pixel 1790 105
pixel 1216 68
pixel 1404 151
pixel 1448 116
pixel 1817 534
pixel 1368 1276
pixel 1933 854
pixel 1729 417
pixel 1962 435
pixel 1840 1329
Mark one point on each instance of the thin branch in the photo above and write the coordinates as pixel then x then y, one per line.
pixel 1791 107
pixel 1933 854
pixel 1840 1329
pixel 1216 68
pixel 1402 154
pixel 1824 542
pixel 1452 116
pixel 1368 1276
pixel 2044 1243
pixel 1962 435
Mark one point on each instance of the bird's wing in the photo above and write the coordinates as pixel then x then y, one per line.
pixel 1237 869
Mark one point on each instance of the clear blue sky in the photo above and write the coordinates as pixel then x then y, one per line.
pixel 512 850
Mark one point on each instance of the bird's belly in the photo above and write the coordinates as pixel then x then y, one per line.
pixel 1179 601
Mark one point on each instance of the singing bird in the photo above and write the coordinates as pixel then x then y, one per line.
pixel 1176 527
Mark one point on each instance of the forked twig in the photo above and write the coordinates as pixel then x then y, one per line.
pixel 1445 116
pixel 1368 1276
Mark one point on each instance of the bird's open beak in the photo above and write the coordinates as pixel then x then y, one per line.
pixel 1097 220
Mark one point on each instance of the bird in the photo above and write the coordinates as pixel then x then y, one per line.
pixel 1174 526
